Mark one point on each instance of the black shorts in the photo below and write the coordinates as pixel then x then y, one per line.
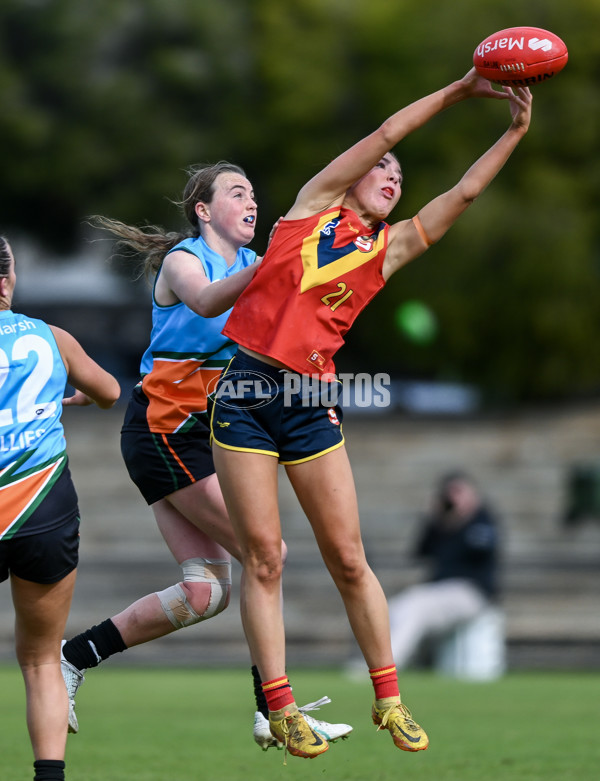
pixel 160 464
pixel 46 557
pixel 262 409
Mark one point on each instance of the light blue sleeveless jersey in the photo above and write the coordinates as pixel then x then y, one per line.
pixel 32 443
pixel 187 352
pixel 178 331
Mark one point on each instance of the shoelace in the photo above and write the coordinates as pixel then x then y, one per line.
pixel 75 677
pixel 291 719
pixel 410 722
pixel 315 705
pixel 285 728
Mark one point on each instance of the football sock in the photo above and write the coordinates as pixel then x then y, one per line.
pixel 49 770
pixel 94 646
pixel 278 693
pixel 385 681
pixel 259 695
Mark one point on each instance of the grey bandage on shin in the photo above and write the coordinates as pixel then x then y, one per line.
pixel 175 603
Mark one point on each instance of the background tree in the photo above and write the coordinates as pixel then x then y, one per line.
pixel 106 102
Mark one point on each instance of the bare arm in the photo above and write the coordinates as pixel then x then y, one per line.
pixel 91 382
pixel 182 278
pixel 329 186
pixel 405 242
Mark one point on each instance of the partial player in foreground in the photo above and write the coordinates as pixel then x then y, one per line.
pixel 330 255
pixel 39 515
pixel 198 275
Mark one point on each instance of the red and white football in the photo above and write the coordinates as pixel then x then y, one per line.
pixel 520 56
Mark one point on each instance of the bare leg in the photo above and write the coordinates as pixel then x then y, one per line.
pixel 185 519
pixel 41 613
pixel 194 524
pixel 325 489
pixel 252 503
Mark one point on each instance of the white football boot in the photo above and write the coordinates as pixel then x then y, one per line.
pixel 331 732
pixel 73 679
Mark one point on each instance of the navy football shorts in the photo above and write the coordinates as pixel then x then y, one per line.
pixel 160 464
pixel 46 557
pixel 260 408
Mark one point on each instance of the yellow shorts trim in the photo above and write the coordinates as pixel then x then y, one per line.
pixel 245 449
pixel 315 455
pixel 275 454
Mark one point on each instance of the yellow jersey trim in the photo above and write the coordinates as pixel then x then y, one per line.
pixel 313 276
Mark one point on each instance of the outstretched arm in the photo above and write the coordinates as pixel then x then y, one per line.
pixel 405 241
pixel 329 186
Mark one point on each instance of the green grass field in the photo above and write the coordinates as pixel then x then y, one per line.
pixel 195 725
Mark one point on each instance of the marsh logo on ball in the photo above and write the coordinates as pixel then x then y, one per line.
pixel 520 56
pixel 509 44
pixel 535 43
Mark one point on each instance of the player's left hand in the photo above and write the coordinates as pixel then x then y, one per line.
pixel 520 105
pixel 78 399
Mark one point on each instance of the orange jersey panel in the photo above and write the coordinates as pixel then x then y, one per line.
pixel 176 390
pixel 17 496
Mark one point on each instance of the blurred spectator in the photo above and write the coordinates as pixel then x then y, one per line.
pixel 582 494
pixel 460 541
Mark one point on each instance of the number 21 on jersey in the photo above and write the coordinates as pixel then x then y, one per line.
pixel 337 297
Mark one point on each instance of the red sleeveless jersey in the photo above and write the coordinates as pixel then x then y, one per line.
pixel 317 275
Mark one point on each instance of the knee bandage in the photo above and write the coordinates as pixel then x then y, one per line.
pixel 175 603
